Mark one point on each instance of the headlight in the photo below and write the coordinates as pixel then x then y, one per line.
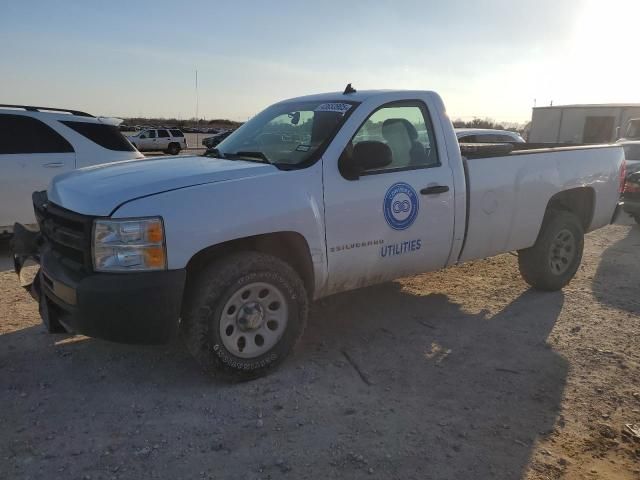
pixel 129 244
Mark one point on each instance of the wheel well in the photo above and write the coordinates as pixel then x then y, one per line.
pixel 290 247
pixel 579 201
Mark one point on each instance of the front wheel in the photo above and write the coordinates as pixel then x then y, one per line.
pixel 553 260
pixel 244 314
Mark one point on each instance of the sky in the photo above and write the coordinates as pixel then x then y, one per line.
pixel 491 58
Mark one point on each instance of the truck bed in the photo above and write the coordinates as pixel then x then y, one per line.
pixel 508 192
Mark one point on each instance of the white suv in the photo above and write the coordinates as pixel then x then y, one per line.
pixel 168 140
pixel 39 143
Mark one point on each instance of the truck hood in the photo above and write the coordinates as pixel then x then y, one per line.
pixel 100 189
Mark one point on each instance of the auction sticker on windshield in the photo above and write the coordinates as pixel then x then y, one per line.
pixel 340 108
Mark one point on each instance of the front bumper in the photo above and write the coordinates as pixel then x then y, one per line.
pixel 129 307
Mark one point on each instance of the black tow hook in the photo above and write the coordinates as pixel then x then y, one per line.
pixel 25 247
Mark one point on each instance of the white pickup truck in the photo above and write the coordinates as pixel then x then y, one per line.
pixel 313 196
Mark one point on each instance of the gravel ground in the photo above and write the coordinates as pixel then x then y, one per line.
pixel 459 374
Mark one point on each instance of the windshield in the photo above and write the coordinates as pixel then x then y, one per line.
pixel 286 134
pixel 633 129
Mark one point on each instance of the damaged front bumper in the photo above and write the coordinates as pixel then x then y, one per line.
pixel 25 246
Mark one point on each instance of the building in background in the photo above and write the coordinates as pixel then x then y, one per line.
pixel 601 123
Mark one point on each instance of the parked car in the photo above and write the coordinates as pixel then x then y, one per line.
pixel 631 152
pixel 168 140
pixel 211 142
pixel 631 195
pixel 39 143
pixel 486 135
pixel 233 248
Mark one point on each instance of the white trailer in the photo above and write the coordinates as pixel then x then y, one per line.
pixel 603 123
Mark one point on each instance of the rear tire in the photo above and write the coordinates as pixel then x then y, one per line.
pixel 553 260
pixel 173 149
pixel 243 315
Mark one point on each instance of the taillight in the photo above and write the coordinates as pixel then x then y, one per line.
pixel 622 177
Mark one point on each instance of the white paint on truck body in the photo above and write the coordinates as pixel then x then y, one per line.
pixel 359 232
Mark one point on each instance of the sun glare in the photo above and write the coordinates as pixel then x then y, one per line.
pixel 602 45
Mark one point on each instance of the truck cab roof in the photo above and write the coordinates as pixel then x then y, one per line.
pixel 358 96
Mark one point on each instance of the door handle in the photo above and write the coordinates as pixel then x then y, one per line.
pixel 436 189
pixel 54 165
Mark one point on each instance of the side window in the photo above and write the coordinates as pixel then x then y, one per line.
pixel 406 129
pixel 487 138
pixel 468 139
pixel 151 134
pixel 22 134
pixel 107 136
pixel 163 134
pixel 505 138
pixel 177 133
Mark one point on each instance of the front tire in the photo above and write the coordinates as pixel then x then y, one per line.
pixel 243 315
pixel 553 260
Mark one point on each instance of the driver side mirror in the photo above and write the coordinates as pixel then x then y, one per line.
pixel 367 155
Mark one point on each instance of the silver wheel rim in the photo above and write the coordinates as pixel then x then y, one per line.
pixel 253 320
pixel 563 251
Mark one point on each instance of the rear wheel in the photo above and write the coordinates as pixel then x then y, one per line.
pixel 173 149
pixel 244 315
pixel 553 260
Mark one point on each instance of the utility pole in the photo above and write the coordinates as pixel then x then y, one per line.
pixel 197 117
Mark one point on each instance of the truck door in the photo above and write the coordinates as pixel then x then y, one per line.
pixel 396 220
pixel 163 139
pixel 148 140
pixel 31 154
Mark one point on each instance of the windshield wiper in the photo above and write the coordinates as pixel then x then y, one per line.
pixel 251 156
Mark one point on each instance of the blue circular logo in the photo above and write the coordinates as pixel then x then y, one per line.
pixel 400 206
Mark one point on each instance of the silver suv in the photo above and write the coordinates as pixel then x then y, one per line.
pixel 168 140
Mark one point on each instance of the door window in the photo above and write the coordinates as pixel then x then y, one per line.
pixel 163 134
pixel 22 134
pixel 406 129
pixel 149 134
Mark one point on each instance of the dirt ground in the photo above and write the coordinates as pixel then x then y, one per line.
pixel 459 374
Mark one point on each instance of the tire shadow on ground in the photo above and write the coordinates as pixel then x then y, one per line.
pixel 476 390
pixel 384 381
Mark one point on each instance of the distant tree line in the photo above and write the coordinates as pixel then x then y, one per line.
pixel 488 123
pixel 181 123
